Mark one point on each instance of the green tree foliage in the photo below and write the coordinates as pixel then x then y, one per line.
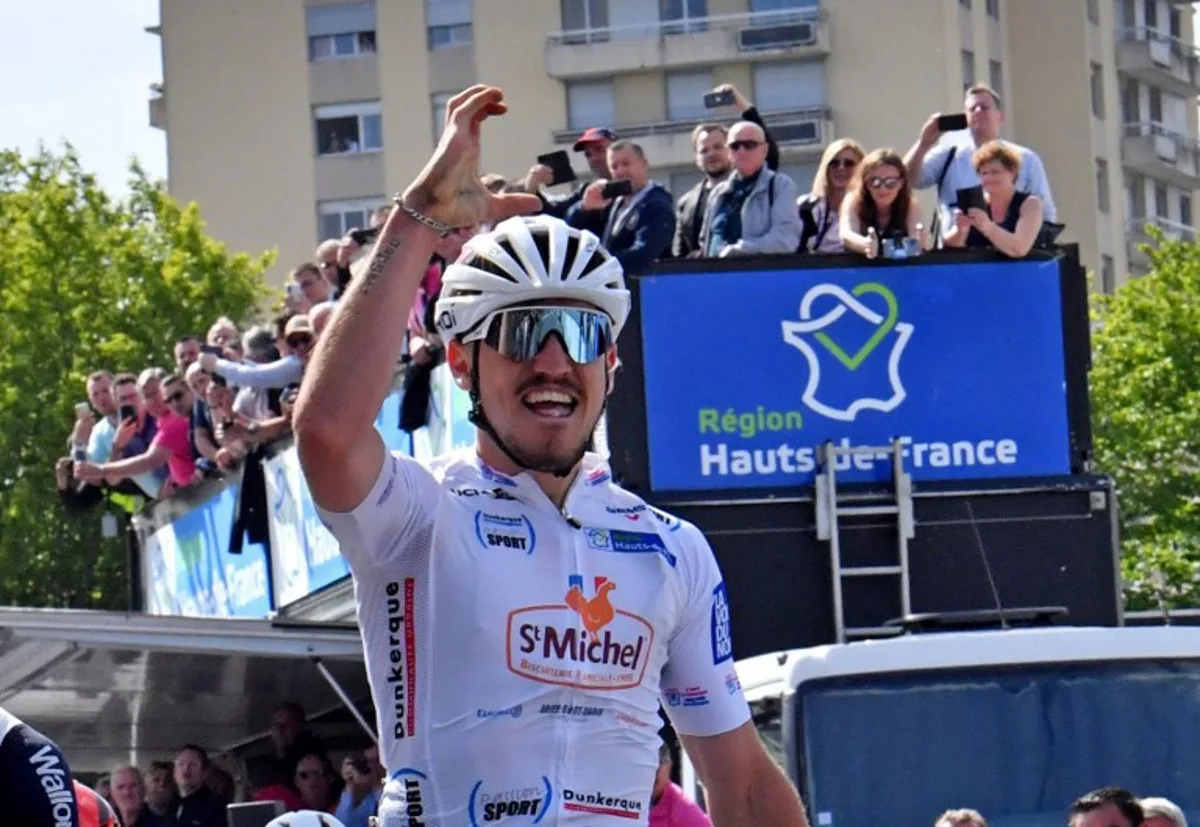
pixel 88 282
pixel 1146 406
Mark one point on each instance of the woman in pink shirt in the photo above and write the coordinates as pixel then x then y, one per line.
pixel 669 807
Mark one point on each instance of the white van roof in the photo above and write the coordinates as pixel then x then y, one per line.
pixel 780 672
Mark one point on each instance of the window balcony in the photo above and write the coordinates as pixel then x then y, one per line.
pixel 678 44
pixel 1159 60
pixel 158 106
pixel 800 133
pixel 1157 152
pixel 1136 236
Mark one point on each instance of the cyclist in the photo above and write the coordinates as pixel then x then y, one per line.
pixel 35 781
pixel 521 615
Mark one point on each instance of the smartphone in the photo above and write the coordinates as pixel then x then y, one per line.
pixel 215 350
pixel 126 412
pixel 364 237
pixel 614 188
pixel 560 162
pixel 714 99
pixel 79 453
pixel 971 197
pixel 82 409
pixel 952 123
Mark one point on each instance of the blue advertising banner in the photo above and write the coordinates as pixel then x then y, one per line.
pixel 747 373
pixel 190 572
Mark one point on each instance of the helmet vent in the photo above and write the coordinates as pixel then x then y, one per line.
pixel 490 267
pixel 541 240
pixel 572 252
pixel 597 260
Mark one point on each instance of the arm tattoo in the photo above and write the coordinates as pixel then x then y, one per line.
pixel 379 263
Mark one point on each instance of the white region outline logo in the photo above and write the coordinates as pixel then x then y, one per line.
pixel 794 333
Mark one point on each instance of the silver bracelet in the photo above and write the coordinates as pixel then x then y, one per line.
pixel 441 228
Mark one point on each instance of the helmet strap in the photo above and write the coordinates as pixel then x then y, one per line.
pixel 478 418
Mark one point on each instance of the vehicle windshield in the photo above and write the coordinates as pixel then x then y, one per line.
pixel 1019 744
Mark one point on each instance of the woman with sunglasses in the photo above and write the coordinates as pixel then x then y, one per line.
pixel 820 209
pixel 509 593
pixel 880 205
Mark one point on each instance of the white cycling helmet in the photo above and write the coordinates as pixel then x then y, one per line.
pixel 529 259
pixel 305 818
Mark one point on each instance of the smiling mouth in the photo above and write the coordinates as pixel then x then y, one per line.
pixel 550 404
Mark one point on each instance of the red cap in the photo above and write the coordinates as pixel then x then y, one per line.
pixel 594 135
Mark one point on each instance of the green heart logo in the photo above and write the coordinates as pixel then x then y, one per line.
pixel 852 362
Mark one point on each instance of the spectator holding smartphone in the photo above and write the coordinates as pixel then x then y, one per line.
pixel 130 438
pixel 820 210
pixel 594 144
pixel 880 206
pixel 1010 219
pixel 640 220
pixel 942 155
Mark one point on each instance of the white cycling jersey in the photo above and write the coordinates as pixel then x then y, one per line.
pixel 517 653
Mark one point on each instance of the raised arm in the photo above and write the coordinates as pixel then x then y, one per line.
pixel 351 370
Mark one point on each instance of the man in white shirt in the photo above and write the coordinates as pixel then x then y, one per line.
pixel 944 160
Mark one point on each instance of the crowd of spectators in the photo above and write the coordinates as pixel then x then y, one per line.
pixel 143 436
pixel 194 790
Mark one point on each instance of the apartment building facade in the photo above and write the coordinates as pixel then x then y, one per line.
pixel 289 120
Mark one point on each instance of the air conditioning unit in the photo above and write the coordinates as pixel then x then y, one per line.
pixel 799 33
pixel 796 132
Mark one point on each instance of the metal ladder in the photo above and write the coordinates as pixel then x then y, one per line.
pixel 828 512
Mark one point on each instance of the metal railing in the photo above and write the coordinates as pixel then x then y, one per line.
pixel 1154 129
pixel 1172 229
pixel 684 25
pixel 673 127
pixel 1183 50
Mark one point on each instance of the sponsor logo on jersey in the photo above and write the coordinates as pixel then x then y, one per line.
pixel 628 542
pixel 412 796
pixel 402 654
pixel 690 696
pixel 499 531
pixel 722 628
pixel 632 513
pixel 52 775
pixel 584 642
pixel 492 475
pixel 511 712
pixel 512 805
pixel 601 803
pixel 672 523
pixel 732 684
pixel 492 493
pixel 626 718
pixel 598 475
pixel 572 711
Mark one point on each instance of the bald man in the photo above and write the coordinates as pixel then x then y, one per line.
pixel 753 211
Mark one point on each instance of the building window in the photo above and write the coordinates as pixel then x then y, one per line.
pixel 1108 274
pixel 590 103
pixel 1156 107
pixel 1185 209
pixel 336 218
pixel 968 69
pixel 340 31
pixel 1128 14
pixel 448 22
pixel 789 85
pixel 348 127
pixel 1160 201
pixel 1150 13
pixel 1176 24
pixel 685 95
pixel 1093 11
pixel 682 16
pixel 996 77
pixel 1137 196
pixel 439 102
pixel 1130 105
pixel 1097 90
pixel 966 4
pixel 993 9
pixel 1102 202
pixel 782 5
pixel 590 16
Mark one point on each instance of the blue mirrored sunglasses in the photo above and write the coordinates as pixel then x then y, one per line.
pixel 520 333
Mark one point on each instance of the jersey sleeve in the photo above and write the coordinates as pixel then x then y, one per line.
pixel 396 513
pixel 700 688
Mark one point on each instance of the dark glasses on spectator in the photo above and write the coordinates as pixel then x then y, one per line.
pixel 520 333
pixel 175 397
pixel 736 145
pixel 884 183
pixel 304 775
pixel 847 163
pixel 297 341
